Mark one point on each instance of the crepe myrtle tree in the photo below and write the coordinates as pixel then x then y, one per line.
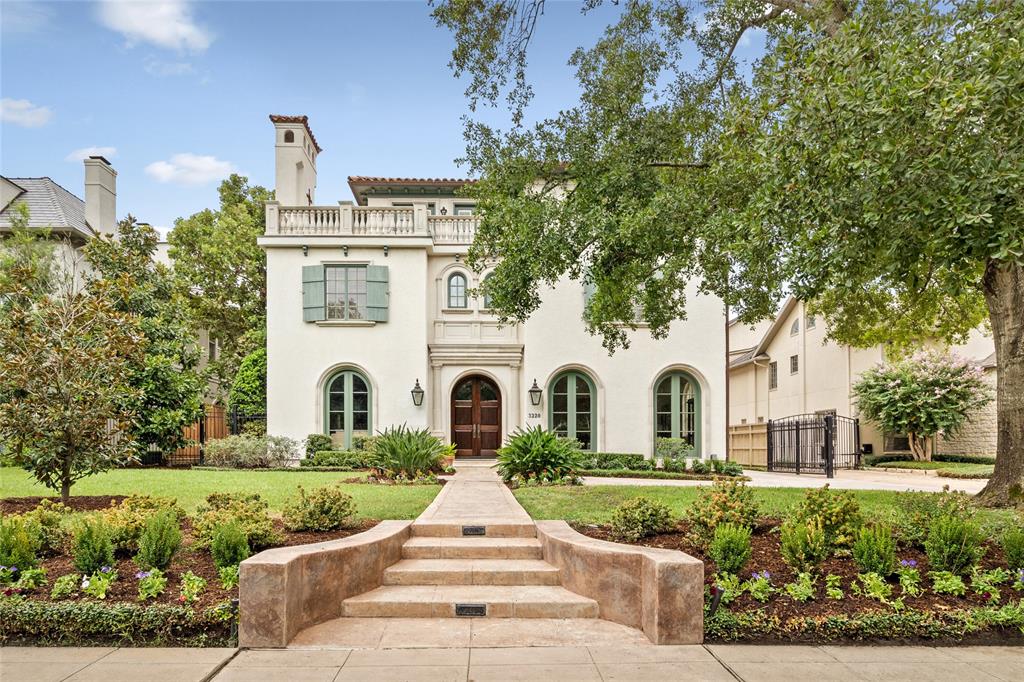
pixel 927 395
pixel 867 160
pixel 66 357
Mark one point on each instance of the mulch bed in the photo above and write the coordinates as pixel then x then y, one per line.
pixel 188 558
pixel 765 555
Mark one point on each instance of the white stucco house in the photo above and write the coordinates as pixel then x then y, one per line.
pixel 371 322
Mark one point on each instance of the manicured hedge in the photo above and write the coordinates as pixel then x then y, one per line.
pixel 617 460
pixel 964 459
pixel 1006 621
pixel 875 460
pixel 338 458
pixel 24 621
pixel 304 469
pixel 657 473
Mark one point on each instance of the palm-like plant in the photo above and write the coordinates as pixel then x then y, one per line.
pixel 536 453
pixel 410 452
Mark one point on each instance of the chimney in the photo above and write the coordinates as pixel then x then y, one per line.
pixel 100 195
pixel 295 152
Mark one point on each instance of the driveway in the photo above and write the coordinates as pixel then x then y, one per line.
pixel 855 479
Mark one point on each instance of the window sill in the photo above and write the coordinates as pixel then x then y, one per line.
pixel 457 311
pixel 345 323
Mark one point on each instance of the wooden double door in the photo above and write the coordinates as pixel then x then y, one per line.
pixel 476 417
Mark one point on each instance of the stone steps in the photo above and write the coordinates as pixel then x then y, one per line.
pixel 499 601
pixel 471 572
pixel 471 548
pixel 454 529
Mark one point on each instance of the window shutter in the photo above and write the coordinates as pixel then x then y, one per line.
pixel 313 294
pixel 377 293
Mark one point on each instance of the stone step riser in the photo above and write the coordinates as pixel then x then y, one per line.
pixel 446 609
pixel 518 578
pixel 451 530
pixel 471 552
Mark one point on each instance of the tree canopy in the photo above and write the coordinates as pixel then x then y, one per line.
pixel 869 161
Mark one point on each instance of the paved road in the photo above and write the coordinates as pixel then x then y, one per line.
pixel 846 480
pixel 728 663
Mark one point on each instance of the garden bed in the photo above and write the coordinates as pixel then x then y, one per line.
pixel 854 617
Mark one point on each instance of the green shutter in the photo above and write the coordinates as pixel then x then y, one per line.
pixel 313 293
pixel 377 293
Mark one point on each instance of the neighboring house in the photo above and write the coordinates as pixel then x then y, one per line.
pixel 73 221
pixel 372 322
pixel 785 367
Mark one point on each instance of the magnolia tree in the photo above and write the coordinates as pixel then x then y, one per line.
pixel 927 395
pixel 66 355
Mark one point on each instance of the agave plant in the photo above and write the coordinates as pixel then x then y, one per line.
pixel 409 452
pixel 536 453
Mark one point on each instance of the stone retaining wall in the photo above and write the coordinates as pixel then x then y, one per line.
pixel 659 591
pixel 284 590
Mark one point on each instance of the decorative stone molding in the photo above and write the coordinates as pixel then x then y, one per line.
pixel 659 591
pixel 284 590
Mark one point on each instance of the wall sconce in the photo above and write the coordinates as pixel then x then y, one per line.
pixel 386 251
pixel 417 394
pixel 305 250
pixel 344 250
pixel 535 393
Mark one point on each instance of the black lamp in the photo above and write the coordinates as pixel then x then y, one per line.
pixel 535 394
pixel 417 394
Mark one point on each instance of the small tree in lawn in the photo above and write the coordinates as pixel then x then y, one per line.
pixel 926 395
pixel 65 358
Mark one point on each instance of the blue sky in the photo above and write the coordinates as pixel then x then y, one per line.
pixel 178 92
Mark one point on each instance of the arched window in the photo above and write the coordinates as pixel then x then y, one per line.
pixel 677 408
pixel 795 328
pixel 572 408
pixel 347 406
pixel 457 290
pixel 289 136
pixel 487 296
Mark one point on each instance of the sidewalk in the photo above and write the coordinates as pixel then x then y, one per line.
pixel 749 663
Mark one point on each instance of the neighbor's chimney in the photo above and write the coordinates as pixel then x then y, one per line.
pixel 100 195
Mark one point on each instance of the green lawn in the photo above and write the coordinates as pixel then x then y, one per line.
pixel 191 488
pixel 594 504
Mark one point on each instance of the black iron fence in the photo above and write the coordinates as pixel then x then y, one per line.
pixel 813 444
pixel 215 423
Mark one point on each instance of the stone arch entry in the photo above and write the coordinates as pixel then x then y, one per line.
pixel 476 417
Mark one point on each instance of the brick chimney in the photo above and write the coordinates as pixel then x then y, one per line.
pixel 100 195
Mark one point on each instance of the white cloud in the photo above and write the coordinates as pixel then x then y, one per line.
pixel 168 23
pixel 190 169
pixel 157 67
pixel 25 17
pixel 86 152
pixel 23 113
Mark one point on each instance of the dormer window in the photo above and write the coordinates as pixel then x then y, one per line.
pixel 289 136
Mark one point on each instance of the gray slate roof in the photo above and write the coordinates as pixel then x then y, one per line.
pixel 49 205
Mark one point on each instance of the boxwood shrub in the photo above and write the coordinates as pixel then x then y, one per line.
pixel 346 459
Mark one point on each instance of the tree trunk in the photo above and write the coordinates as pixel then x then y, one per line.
pixel 1004 295
pixel 920 447
pixel 65 479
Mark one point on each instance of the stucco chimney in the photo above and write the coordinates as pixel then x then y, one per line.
pixel 100 195
pixel 295 152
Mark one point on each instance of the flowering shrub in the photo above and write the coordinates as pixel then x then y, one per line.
pixel 838 513
pixel 152 583
pixel 8 574
pixel 639 518
pixel 97 584
pixel 192 586
pixel 926 395
pixel 726 501
pixel 910 578
pixel 760 586
pixel 323 509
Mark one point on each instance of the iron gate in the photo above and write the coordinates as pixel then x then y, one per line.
pixel 813 444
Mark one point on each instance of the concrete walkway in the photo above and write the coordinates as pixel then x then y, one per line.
pixel 749 663
pixel 856 479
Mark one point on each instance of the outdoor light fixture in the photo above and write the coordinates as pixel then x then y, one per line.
pixel 535 394
pixel 344 250
pixel 305 250
pixel 417 394
pixel 385 252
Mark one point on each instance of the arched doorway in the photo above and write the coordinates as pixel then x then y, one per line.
pixel 476 417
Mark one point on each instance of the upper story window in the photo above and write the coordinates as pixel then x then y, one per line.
pixel 487 296
pixel 211 350
pixel 794 364
pixel 810 322
pixel 289 136
pixel 795 329
pixel 464 209
pixel 346 292
pixel 457 291
pixel 773 375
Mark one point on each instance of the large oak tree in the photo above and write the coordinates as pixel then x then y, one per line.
pixel 869 161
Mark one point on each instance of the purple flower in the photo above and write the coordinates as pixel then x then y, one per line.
pixel 13 569
pixel 143 574
pixel 105 569
pixel 908 563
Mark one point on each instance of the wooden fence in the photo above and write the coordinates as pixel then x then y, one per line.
pixel 748 444
pixel 213 425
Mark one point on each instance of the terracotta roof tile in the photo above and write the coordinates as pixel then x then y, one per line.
pixel 304 120
pixel 372 179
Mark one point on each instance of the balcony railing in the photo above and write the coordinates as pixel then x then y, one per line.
pixel 346 219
